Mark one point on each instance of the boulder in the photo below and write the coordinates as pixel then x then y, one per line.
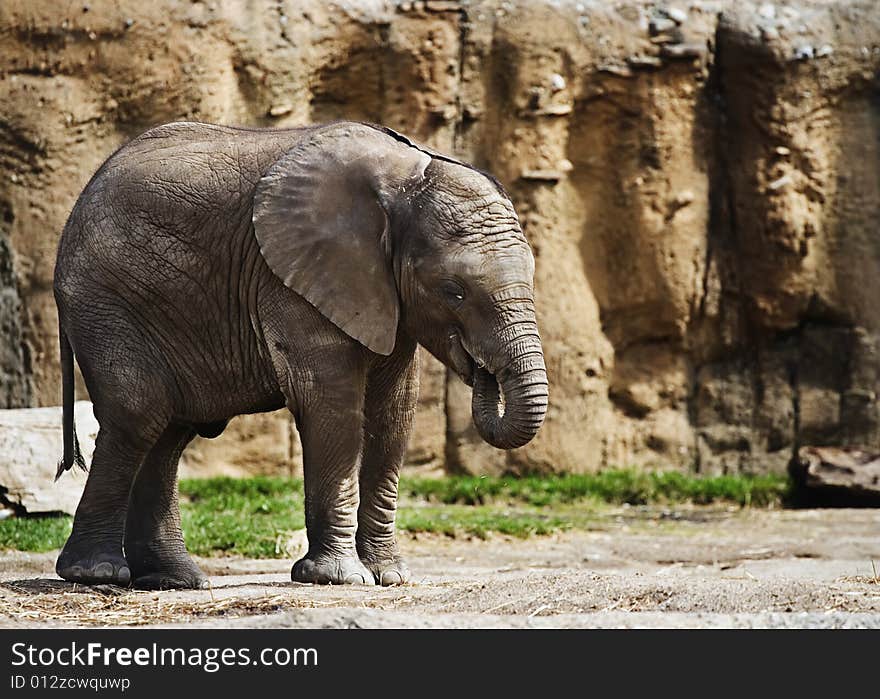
pixel 839 476
pixel 30 447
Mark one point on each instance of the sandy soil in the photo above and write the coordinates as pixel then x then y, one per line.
pixel 693 567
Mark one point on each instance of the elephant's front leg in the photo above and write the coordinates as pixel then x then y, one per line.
pixel 392 392
pixel 331 429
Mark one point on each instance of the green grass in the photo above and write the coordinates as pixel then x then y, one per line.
pixel 34 533
pixel 255 516
pixel 613 487
pixel 242 516
pixel 453 520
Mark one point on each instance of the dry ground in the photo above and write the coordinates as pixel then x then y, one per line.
pixel 642 567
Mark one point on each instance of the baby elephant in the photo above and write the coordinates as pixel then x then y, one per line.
pixel 207 271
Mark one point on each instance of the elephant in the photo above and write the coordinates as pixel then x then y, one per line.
pixel 209 271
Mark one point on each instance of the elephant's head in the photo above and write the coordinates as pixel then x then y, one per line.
pixel 378 233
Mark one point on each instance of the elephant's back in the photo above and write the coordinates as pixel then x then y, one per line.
pixel 181 169
pixel 194 154
pixel 180 193
pixel 185 169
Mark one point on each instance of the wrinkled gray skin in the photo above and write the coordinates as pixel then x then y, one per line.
pixel 207 272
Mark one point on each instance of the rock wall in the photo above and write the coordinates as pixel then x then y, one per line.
pixel 700 182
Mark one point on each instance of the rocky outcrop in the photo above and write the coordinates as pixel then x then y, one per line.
pixel 700 182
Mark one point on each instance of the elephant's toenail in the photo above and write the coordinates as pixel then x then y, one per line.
pixel 103 570
pixel 391 577
pixel 355 579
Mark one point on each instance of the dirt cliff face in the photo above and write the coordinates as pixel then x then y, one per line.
pixel 700 182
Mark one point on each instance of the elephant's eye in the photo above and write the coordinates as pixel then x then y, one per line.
pixel 453 293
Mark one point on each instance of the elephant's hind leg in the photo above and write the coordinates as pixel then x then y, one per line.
pixel 154 546
pixel 93 552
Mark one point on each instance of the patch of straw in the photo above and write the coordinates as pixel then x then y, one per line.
pixel 123 608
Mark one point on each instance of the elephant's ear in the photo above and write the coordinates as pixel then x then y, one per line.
pixel 321 215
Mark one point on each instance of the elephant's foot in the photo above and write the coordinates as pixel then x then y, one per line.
pixel 388 571
pixel 382 557
pixel 172 580
pixel 332 570
pixel 166 571
pixel 94 566
pixel 184 575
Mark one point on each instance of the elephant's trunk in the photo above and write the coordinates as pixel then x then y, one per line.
pixel 509 404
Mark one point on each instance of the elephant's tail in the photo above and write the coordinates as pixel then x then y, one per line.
pixel 72 454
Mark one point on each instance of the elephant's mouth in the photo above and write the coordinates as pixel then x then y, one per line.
pixel 463 362
pixel 473 371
